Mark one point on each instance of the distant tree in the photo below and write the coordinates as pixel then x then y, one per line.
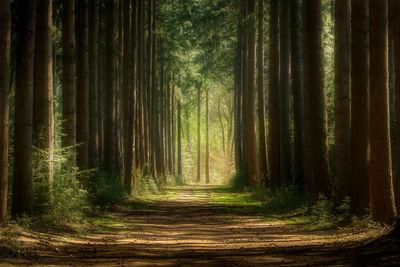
pixel 198 134
pixel 382 196
pixel 360 184
pixel 342 100
pixel 207 138
pixel 68 79
pixel 22 180
pixel 5 43
pixel 179 140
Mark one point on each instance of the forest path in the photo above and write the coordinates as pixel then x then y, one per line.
pixel 198 225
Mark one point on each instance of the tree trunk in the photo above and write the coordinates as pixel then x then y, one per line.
pixel 342 100
pixel 179 141
pixel 43 121
pixel 93 82
pixel 297 92
pixel 173 126
pixel 319 176
pixel 382 197
pixel 262 141
pixel 396 35
pixel 68 80
pixel 360 183
pixel 251 107
pixel 273 97
pixel 109 88
pixel 127 97
pixel 198 135
pixel 238 99
pixel 207 139
pixel 22 181
pixel 82 85
pixel 100 92
pixel 5 43
pixel 284 93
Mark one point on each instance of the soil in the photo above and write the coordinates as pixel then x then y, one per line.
pixel 187 230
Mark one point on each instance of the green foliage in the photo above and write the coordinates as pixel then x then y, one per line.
pixel 238 180
pixel 325 214
pixel 106 190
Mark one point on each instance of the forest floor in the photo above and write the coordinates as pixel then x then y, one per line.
pixel 201 225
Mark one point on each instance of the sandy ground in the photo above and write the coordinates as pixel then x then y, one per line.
pixel 186 230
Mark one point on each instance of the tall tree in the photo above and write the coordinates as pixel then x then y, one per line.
pixel 396 35
pixel 251 107
pixel 284 93
pixel 109 88
pixel 382 196
pixel 93 82
pixel 297 92
pixel 198 134
pixel 317 116
pixel 68 79
pixel 43 120
pixel 82 84
pixel 22 181
pixel 342 100
pixel 127 97
pixel 262 140
pixel 273 96
pixel 360 184
pixel 207 138
pixel 5 43
pixel 179 140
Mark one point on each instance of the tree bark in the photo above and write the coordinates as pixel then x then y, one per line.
pixel 179 141
pixel 5 43
pixel 319 176
pixel 22 181
pixel 342 100
pixel 273 97
pixel 382 196
pixel 262 139
pixel 68 80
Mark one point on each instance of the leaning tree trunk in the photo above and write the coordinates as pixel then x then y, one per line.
pixel 382 197
pixel 43 120
pixel 251 107
pixel 342 100
pixel 68 80
pixel 284 94
pixel 82 84
pixel 5 42
pixel 22 180
pixel 319 175
pixel 93 83
pixel 359 177
pixel 262 141
pixel 273 97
